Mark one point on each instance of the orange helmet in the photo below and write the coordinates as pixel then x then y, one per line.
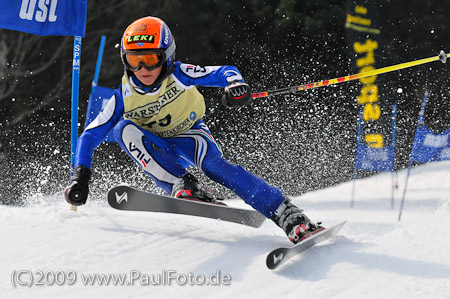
pixel 147 43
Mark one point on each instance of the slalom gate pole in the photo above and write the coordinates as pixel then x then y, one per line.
pixel 75 95
pixel 355 171
pixel 97 72
pixel 442 57
pixel 394 124
pixel 74 109
pixel 99 63
pixel 422 112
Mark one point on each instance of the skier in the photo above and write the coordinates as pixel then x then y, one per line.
pixel 156 117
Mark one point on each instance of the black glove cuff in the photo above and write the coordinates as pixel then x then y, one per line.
pixel 82 174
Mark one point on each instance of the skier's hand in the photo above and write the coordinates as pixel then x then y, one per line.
pixel 77 192
pixel 237 94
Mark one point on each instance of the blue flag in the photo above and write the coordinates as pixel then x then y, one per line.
pixel 44 17
pixel 372 158
pixel 429 146
pixel 375 159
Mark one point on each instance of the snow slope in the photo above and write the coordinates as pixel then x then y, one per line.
pixel 375 256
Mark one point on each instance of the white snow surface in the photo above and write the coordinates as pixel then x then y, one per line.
pixel 374 255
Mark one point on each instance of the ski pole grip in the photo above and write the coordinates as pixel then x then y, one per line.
pixel 75 196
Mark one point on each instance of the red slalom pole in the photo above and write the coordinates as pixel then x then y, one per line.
pixel 442 57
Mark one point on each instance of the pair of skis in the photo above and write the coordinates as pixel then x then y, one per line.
pixel 127 198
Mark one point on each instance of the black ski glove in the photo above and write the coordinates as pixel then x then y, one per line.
pixel 77 192
pixel 237 94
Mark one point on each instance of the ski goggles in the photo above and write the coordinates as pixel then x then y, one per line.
pixel 150 60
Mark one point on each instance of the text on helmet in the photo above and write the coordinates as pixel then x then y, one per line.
pixel 141 38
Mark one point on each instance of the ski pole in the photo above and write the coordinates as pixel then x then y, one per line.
pixel 442 57
pixel 412 155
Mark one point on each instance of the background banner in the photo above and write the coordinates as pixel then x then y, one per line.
pixel 44 17
pixel 365 52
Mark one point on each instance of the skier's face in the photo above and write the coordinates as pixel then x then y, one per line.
pixel 148 77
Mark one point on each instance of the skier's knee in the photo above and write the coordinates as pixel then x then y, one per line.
pixel 213 164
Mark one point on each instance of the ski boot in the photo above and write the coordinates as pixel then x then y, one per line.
pixel 188 187
pixel 295 224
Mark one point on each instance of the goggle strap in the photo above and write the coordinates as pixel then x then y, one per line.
pixel 170 50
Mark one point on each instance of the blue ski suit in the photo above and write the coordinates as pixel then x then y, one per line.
pixel 162 130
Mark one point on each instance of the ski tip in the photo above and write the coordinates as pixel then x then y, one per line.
pixel 275 258
pixel 339 225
